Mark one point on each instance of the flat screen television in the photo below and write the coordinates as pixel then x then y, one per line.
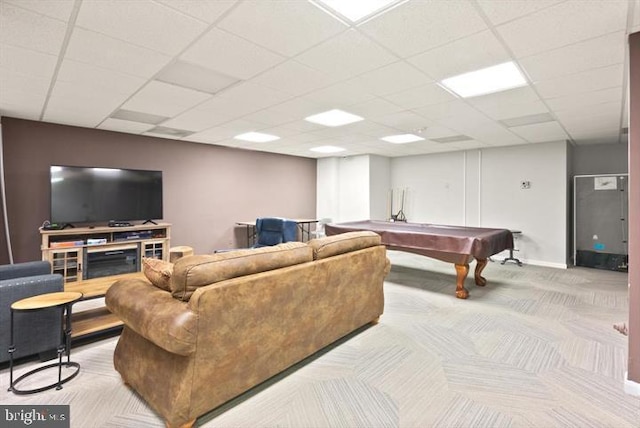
pixel 95 195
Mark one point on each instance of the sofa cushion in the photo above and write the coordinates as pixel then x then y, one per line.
pixel 158 272
pixel 192 272
pixel 343 243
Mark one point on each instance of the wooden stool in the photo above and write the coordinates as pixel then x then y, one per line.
pixel 176 253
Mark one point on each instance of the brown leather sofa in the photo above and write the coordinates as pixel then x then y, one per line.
pixel 220 324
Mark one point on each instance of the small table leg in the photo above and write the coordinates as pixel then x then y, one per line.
pixel 462 271
pixel 480 265
pixel 12 349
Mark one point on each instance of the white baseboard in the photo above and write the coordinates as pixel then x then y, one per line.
pixel 631 387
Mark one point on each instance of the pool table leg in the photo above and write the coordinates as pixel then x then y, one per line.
pixel 480 264
pixel 462 271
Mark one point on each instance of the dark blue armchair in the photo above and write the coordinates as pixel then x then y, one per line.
pixel 37 332
pixel 274 231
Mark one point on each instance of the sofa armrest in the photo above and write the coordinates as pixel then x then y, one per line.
pixel 19 270
pixel 154 314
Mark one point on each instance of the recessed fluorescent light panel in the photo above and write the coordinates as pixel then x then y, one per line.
pixel 256 137
pixel 527 120
pixel 333 118
pixel 327 149
pixel 485 81
pixel 138 116
pixel 193 76
pixel 356 11
pixel 180 133
pixel 402 138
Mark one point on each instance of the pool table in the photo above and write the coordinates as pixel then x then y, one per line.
pixel 453 244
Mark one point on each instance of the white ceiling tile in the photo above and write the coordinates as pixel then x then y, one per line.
pixel 213 135
pixel 27 62
pixel 415 27
pixel 303 25
pixel 23 110
pixel 541 132
pixel 164 99
pixel 591 80
pixel 576 101
pixel 406 121
pixel 68 95
pixel 207 11
pixel 471 53
pixel 500 111
pixel 30 30
pixel 141 22
pixel 581 56
pixel 102 51
pixel 300 108
pixel 502 11
pixel 635 20
pixel 494 134
pixel 75 116
pixel 588 113
pixel 20 90
pixel 564 24
pixel 58 9
pixel 340 94
pixel 293 78
pixel 374 107
pixel 270 117
pixel 302 138
pixel 437 131
pixel 429 94
pixel 395 77
pixel 92 78
pixel 231 55
pixel 446 109
pixel 198 120
pixel 301 125
pixel 524 94
pixel 346 55
pixel 124 126
pixel 468 145
pixel 251 97
pixel 88 108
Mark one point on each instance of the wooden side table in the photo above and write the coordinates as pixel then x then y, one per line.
pixel 62 300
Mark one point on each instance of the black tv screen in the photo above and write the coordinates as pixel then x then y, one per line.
pixel 94 195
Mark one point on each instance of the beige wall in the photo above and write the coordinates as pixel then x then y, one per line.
pixel 206 188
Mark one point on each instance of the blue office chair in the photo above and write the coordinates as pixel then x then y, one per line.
pixel 274 231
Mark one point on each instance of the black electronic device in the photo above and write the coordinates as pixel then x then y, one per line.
pixel 94 195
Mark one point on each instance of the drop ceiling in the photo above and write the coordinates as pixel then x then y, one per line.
pixel 206 71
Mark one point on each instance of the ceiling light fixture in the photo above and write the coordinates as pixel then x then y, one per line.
pixel 256 137
pixel 333 118
pixel 485 81
pixel 402 138
pixel 327 149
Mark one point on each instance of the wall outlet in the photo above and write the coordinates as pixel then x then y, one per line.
pixel 525 184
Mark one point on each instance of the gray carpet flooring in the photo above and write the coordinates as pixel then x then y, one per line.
pixel 534 348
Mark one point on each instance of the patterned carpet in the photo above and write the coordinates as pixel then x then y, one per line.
pixel 534 348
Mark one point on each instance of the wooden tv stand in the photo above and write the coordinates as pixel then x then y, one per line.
pixel 86 257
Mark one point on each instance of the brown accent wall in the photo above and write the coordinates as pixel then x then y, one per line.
pixel 634 208
pixel 207 188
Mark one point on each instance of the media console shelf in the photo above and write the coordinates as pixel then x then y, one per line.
pixel 90 259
